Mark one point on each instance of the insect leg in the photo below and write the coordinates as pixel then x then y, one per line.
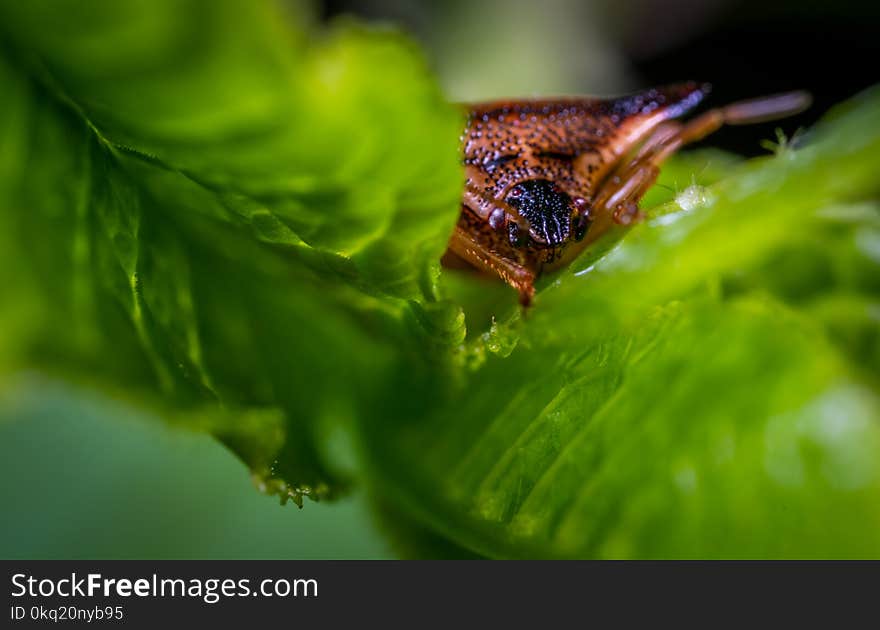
pixel 622 191
pixel 748 112
pixel 466 247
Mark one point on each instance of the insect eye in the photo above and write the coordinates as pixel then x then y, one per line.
pixel 496 219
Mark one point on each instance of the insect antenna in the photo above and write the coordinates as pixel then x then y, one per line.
pixel 766 108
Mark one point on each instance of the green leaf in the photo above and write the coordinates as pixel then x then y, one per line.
pixel 220 214
pixel 709 388
pixel 235 217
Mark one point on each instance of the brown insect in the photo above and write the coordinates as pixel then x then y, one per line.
pixel 545 178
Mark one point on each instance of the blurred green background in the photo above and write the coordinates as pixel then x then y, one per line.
pixel 84 476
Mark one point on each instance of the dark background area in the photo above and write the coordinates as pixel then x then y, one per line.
pixel 745 48
pixel 830 49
